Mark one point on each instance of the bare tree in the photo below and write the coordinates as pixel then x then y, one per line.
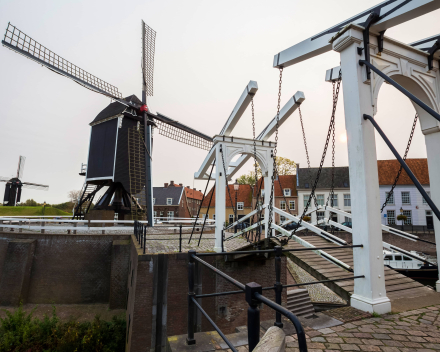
pixel 74 195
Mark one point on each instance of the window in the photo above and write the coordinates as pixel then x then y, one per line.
pixel 391 199
pixel 240 205
pixel 320 215
pixel 408 220
pixel 306 199
pixel 347 219
pixel 291 204
pixel 155 213
pixel 406 258
pixel 397 257
pixel 429 195
pixel 306 185
pixel 170 214
pixel 154 200
pixel 282 218
pixel 213 216
pixel 347 200
pixel 287 192
pixel 161 214
pixel 388 257
pixel 283 205
pixel 345 184
pixel 231 218
pixel 262 193
pixel 391 216
pixel 335 200
pixel 169 201
pixel 405 198
pixel 320 199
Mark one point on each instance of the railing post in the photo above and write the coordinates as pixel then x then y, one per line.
pixel 1 227
pixel 19 224
pixel 180 238
pixel 278 285
pixel 223 240
pixel 191 294
pixel 145 237
pixel 253 318
pixel 42 225
pixel 75 224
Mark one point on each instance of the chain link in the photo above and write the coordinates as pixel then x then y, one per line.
pixel 327 141
pixel 390 193
pixel 269 225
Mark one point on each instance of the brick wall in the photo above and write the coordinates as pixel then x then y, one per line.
pixel 67 269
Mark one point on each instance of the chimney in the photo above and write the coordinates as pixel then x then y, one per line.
pixel 200 190
pixel 188 187
pixel 172 183
pixel 181 184
pixel 165 185
pixel 194 189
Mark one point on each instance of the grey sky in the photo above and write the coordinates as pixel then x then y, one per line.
pixel 206 52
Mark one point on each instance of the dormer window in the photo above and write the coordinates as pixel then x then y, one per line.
pixel 287 192
pixel 306 185
pixel 169 201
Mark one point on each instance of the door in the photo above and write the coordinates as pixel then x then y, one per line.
pixel 429 222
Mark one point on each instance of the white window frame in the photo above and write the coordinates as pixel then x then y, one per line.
pixel 320 215
pixel 347 200
pixel 290 204
pixel 320 199
pixel 170 214
pixel 424 200
pixel 169 201
pixel 283 205
pixel 282 218
pixel 231 218
pixel 154 201
pixel 155 214
pixel 393 217
pixel 306 199
pixel 408 215
pixel 240 205
pixel 335 200
pixel 409 197
pixel 391 200
pixel 287 192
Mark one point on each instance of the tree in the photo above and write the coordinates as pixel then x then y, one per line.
pixel 74 195
pixel 247 179
pixel 30 203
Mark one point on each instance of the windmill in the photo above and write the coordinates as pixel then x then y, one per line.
pixel 14 185
pixel 120 149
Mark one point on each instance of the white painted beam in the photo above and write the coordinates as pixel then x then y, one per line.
pixel 319 44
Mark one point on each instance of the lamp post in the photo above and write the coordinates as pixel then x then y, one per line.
pixel 236 187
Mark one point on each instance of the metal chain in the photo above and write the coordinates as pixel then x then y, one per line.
pixel 269 225
pixel 390 193
pixel 332 189
pixel 227 185
pixel 307 151
pixel 257 196
pixel 327 141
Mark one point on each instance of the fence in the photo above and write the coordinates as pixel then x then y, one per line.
pixel 253 296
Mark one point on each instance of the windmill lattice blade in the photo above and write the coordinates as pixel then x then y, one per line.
pixel 23 44
pixel 20 169
pixel 179 132
pixel 148 49
pixel 4 179
pixel 35 186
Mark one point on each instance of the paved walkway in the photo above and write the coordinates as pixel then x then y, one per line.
pixel 415 331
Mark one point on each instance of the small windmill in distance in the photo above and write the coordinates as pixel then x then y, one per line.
pixel 14 185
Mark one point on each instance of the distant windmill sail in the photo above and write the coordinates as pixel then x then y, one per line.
pixel 20 168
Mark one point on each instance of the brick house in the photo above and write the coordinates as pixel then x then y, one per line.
pixel 175 201
pixel 244 203
pixel 283 184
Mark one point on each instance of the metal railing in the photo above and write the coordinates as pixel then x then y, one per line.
pixel 253 295
pixel 140 230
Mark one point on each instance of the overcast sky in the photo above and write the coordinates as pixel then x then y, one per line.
pixel 206 53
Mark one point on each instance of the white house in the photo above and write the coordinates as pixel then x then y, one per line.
pixel 342 199
pixel 406 198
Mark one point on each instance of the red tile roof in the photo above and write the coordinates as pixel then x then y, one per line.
pixel 193 194
pixel 388 169
pixel 244 194
pixel 287 181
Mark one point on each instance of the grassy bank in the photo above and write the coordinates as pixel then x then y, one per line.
pixel 30 211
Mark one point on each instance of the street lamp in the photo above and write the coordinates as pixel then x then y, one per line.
pixel 236 187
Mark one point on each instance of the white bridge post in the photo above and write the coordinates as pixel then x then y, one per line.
pixel 220 197
pixel 369 292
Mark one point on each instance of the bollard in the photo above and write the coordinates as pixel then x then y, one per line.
pixel 191 294
pixel 278 285
pixel 253 317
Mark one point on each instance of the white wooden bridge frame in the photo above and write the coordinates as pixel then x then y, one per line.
pixel 244 149
pixel 406 65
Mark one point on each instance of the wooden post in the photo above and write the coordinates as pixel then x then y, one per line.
pixel 42 225
pixel 75 224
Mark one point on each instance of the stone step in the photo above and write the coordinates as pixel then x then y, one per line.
pixel 299 303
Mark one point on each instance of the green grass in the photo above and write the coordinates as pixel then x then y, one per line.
pixel 30 211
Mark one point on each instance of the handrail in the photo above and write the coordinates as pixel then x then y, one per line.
pixel 404 165
pixel 400 88
pixel 231 346
pixel 221 273
pixel 302 344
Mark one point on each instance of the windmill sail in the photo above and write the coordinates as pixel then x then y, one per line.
pixel 35 186
pixel 20 168
pixel 148 49
pixel 21 43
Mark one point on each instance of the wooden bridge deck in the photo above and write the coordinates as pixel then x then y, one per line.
pixel 397 285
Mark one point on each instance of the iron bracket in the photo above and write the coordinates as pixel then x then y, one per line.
pixel 431 52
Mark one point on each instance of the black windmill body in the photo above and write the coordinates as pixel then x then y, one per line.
pixel 14 185
pixel 120 148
